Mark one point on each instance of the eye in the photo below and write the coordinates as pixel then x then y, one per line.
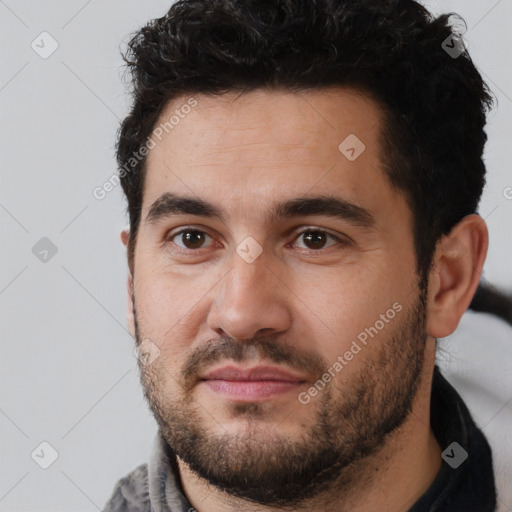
pixel 316 239
pixel 192 239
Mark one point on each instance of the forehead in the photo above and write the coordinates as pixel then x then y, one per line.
pixel 250 150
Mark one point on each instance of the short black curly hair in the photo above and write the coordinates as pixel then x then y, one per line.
pixel 435 105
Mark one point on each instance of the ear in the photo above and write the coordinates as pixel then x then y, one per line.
pixel 130 315
pixel 125 236
pixel 455 274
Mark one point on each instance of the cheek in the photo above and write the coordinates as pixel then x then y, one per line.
pixel 341 304
pixel 171 305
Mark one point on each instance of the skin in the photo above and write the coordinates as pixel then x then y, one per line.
pixel 244 153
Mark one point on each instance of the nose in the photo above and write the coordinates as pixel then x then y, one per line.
pixel 250 301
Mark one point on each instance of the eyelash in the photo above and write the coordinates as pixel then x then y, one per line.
pixel 339 240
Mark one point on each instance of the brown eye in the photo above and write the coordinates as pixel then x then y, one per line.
pixel 317 239
pixel 190 238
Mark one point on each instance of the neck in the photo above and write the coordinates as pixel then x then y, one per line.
pixel 392 479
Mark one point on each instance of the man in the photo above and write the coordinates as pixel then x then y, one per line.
pixel 302 181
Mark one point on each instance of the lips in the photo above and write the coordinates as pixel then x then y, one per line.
pixel 251 384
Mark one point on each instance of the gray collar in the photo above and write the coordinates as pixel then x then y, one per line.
pixel 163 480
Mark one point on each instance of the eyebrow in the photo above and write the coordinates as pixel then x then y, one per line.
pixel 169 204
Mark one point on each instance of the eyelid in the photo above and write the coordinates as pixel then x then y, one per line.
pixel 304 229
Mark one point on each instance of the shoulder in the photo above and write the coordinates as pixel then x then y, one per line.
pixel 131 493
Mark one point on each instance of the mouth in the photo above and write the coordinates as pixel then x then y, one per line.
pixel 251 384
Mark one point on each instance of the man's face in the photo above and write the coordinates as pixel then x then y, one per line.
pixel 290 339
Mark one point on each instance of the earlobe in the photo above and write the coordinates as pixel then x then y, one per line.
pixel 455 274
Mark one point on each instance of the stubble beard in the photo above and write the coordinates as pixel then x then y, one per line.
pixel 263 466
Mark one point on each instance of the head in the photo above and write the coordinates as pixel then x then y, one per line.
pixel 349 120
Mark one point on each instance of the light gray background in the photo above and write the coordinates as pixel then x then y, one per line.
pixel 68 374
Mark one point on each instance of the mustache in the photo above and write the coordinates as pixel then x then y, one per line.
pixel 228 348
